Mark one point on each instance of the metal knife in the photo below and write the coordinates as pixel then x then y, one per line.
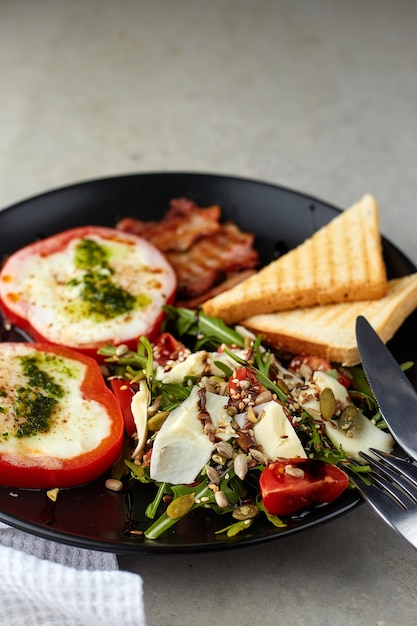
pixel 395 395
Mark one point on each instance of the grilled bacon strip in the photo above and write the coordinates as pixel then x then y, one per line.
pixel 207 255
pixel 184 223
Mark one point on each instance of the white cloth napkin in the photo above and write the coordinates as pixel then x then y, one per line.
pixel 44 583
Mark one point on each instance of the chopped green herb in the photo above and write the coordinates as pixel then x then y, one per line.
pixel 39 378
pixel 101 296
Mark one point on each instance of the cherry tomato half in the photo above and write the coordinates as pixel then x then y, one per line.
pixel 289 486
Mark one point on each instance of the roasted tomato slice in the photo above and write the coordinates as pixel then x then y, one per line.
pixel 87 287
pixel 243 383
pixel 289 486
pixel 241 378
pixel 60 426
pixel 302 364
pixel 167 348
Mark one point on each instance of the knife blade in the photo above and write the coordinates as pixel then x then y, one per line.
pixel 394 393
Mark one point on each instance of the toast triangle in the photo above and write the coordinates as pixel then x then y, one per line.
pixel 330 331
pixel 341 262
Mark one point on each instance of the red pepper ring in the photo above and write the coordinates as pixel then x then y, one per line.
pixel 33 471
pixel 124 392
pixel 38 282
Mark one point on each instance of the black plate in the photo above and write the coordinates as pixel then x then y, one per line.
pixel 91 516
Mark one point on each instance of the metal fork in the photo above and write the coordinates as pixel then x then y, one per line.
pixel 391 490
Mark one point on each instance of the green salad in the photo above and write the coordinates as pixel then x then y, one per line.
pixel 217 420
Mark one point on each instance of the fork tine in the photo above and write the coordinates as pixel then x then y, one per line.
pixel 394 489
pixel 380 501
pixel 401 465
pixel 383 496
pixel 409 487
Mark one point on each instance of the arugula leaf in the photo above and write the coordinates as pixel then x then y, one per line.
pixel 207 330
pixel 261 372
pixel 318 443
pixel 144 341
pixel 270 385
pixel 203 497
pixel 130 357
pixel 224 368
pixel 139 472
pixel 274 519
pixel 234 529
pixel 407 365
pixel 164 522
pixel 172 394
pixel 152 508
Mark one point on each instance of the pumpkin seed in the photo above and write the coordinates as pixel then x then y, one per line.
pixel 327 403
pixel 245 511
pixel 180 506
pixel 155 422
pixel 282 385
pixel 349 417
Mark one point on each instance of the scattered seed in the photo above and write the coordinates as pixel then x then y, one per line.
pixel 251 415
pixel 122 350
pixel 264 396
pixel 213 475
pixel 224 448
pixel 221 499
pixel 295 472
pixel 153 408
pixel 209 428
pixel 259 456
pixel 240 465
pixel 112 484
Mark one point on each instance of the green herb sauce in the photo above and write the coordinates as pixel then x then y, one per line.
pixel 36 409
pixel 35 402
pixel 101 296
pixel 90 255
pixel 39 378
